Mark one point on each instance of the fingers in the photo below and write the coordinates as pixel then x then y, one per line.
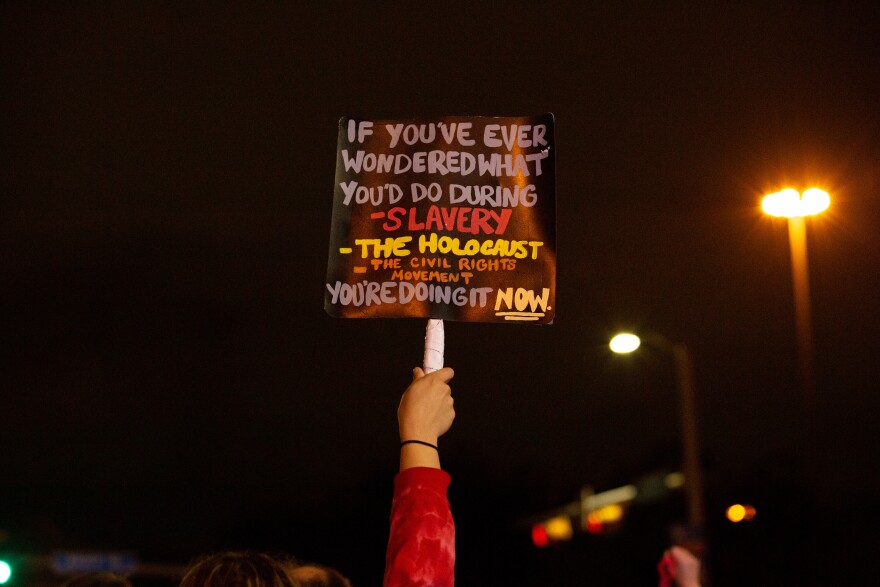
pixel 445 374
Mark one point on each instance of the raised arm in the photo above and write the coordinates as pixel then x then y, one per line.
pixel 424 415
pixel 421 545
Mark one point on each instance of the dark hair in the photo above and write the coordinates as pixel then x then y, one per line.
pixel 240 569
pixel 97 580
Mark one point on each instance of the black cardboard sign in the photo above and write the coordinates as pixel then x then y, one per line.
pixel 451 218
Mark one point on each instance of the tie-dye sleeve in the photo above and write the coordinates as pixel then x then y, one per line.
pixel 421 546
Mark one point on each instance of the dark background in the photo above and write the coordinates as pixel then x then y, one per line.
pixel 171 385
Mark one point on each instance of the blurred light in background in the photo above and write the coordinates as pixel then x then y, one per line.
pixel 5 572
pixel 539 536
pixel 624 342
pixel 599 518
pixel 741 513
pixel 674 480
pixel 556 529
pixel 559 528
pixel 594 524
pixel 790 204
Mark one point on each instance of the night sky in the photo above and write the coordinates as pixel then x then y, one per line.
pixel 170 383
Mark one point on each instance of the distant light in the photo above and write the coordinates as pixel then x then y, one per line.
pixel 674 480
pixel 736 513
pixel 608 514
pixel 594 524
pixel 741 513
pixel 624 343
pixel 556 529
pixel 790 204
pixel 5 572
pixel 559 528
pixel 539 536
pixel 599 517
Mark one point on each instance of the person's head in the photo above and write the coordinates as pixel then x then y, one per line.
pixel 319 576
pixel 97 580
pixel 240 569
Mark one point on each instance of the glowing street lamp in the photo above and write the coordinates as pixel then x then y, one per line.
pixel 790 204
pixel 796 207
pixel 627 342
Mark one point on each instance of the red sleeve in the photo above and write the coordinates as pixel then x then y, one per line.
pixel 421 547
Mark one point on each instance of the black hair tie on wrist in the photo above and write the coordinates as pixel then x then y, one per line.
pixel 434 446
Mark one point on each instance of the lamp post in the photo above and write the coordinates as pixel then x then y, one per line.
pixel 796 207
pixel 684 377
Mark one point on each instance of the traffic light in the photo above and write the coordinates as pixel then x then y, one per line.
pixel 601 513
pixel 603 518
pixel 552 530
pixel 5 572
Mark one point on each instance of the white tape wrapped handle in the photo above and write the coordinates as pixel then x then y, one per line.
pixel 435 341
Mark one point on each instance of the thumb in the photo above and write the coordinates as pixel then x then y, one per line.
pixel 418 373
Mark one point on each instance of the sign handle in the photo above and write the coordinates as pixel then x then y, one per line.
pixel 434 344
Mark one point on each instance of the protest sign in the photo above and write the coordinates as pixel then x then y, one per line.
pixel 451 218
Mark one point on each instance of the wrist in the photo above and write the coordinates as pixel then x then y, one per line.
pixel 419 454
pixel 421 435
pixel 420 443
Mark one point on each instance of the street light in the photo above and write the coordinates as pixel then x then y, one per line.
pixel 625 342
pixel 796 207
pixel 790 204
pixel 684 375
